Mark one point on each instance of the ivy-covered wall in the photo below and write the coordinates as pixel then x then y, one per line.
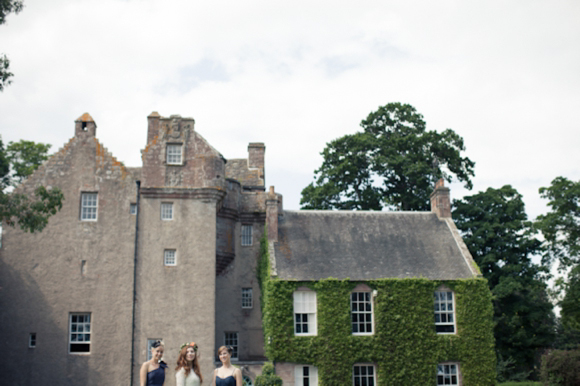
pixel 404 347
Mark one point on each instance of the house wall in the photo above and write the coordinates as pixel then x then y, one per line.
pixel 42 278
pixel 404 346
pixel 89 266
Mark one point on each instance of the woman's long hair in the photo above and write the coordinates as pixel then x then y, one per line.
pixel 182 363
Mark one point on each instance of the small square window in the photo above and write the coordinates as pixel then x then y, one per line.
pixel 247 235
pixel 174 154
pixel 170 257
pixel 133 208
pixel 231 340
pixel 247 301
pixel 447 374
pixel 80 333
pixel 363 375
pixel 32 340
pixel 166 211
pixel 89 205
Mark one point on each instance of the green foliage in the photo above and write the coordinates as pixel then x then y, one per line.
pixel 393 163
pixel 501 240
pixel 25 157
pixel 561 226
pixel 6 7
pixel 520 384
pixel 405 346
pixel 17 162
pixel 561 368
pixel 268 376
pixel 571 302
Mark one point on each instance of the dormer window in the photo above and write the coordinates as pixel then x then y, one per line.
pixel 174 154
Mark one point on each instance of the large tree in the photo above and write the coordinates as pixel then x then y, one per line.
pixel 6 7
pixel 393 163
pixel 561 230
pixel 18 161
pixel 498 234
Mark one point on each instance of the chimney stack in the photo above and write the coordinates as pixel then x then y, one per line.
pixel 272 214
pixel 440 201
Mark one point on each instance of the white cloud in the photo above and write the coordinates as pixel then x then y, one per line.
pixel 504 75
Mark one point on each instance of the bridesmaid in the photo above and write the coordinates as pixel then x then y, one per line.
pixel 226 375
pixel 188 373
pixel 153 371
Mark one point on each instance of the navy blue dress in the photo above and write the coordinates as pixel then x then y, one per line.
pixel 157 376
pixel 227 381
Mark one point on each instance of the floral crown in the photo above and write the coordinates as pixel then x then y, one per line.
pixel 189 344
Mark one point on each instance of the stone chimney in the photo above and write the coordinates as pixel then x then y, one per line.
pixel 440 201
pixel 85 125
pixel 272 214
pixel 152 126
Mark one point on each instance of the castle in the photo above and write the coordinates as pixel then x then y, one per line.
pixel 169 251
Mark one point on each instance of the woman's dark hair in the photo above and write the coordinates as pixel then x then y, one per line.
pixel 156 344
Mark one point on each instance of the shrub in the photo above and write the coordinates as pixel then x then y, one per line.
pixel 268 377
pixel 561 368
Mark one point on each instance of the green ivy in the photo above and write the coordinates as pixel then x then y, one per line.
pixel 404 347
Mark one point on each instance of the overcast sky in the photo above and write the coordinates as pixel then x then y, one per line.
pixel 505 75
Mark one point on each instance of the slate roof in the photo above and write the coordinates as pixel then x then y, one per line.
pixel 369 245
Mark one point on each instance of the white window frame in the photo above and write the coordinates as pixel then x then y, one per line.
pixel 448 372
pixel 247 298
pixel 149 344
pixel 301 379
pixel 357 379
pixel 247 234
pixel 170 257
pixel 442 312
pixel 32 340
pixel 305 313
pixel 79 327
pixel 89 206
pixel 133 208
pixel 232 339
pixel 167 211
pixel 174 154
pixel 366 314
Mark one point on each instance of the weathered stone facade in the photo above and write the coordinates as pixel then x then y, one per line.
pixel 115 268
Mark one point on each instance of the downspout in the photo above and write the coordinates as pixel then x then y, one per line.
pixel 135 278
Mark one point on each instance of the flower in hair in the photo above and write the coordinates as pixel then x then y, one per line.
pixel 189 344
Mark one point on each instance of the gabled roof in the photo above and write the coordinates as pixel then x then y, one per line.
pixel 369 245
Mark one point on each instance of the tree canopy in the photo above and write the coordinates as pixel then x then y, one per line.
pixel 393 163
pixel 498 234
pixel 18 161
pixel 7 7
